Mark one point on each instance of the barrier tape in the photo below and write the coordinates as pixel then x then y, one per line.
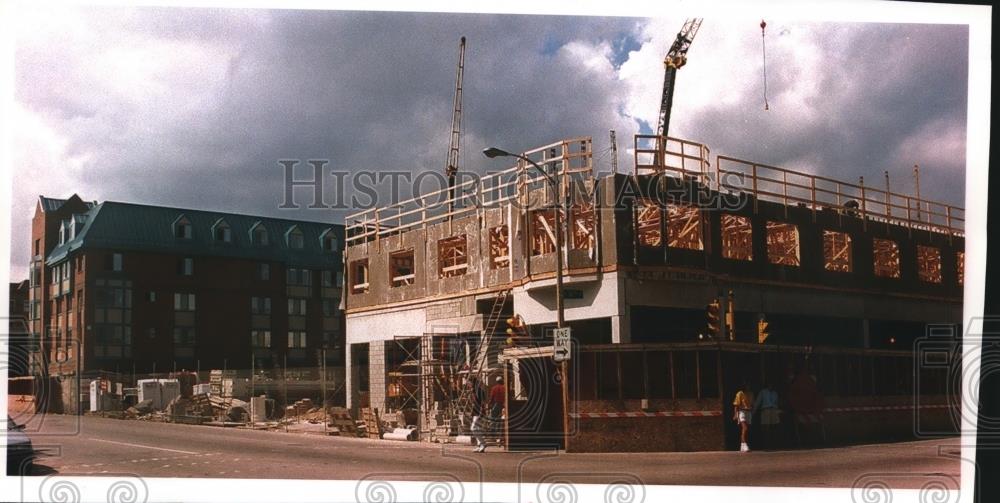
pixel 678 413
pixel 711 413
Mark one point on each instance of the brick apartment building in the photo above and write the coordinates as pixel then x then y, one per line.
pixel 129 287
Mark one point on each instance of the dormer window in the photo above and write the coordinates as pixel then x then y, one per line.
pixel 221 232
pixel 328 240
pixel 182 228
pixel 63 232
pixel 295 238
pixel 258 234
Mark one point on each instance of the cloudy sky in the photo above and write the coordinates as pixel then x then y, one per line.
pixel 194 107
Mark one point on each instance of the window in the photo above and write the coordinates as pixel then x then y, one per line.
pixel 359 276
pixel 221 232
pixel 327 279
pixel 297 307
pixel 648 222
pixel 339 279
pixel 260 305
pixel 737 237
pixel 183 302
pixel 328 240
pixel 582 226
pixel 929 264
pixel 260 338
pixel 452 257
pixel 258 234
pixel 151 296
pixel 182 228
pixel 886 258
pixel 185 266
pixel 295 238
pixel 184 336
pixel 782 243
pixel 960 267
pixel 38 247
pixel 113 262
pixel 329 308
pixel 401 268
pixel 112 341
pixel 543 239
pixel 264 272
pixel 296 339
pixel 499 247
pixel 301 277
pixel 837 251
pixel 684 227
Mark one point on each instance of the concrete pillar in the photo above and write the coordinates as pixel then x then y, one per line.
pixel 621 328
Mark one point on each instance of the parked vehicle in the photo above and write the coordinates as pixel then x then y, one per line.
pixel 20 453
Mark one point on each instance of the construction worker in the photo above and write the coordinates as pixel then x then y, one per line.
pixel 742 412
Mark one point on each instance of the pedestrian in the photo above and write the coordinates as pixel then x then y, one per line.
pixel 742 412
pixel 770 414
pixel 478 421
pixel 495 407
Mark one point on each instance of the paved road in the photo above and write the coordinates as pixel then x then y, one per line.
pixel 171 450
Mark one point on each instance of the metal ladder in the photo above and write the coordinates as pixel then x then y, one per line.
pixel 462 409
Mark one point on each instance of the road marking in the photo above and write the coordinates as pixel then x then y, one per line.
pixel 143 446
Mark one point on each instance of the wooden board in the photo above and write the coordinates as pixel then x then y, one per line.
pixel 373 424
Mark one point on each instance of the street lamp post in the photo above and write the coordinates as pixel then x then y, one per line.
pixel 491 153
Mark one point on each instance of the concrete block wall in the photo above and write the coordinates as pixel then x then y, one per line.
pixel 376 374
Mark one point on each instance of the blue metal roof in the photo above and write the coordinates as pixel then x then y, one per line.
pixel 135 227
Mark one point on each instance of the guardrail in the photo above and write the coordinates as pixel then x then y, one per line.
pixel 771 183
pixel 568 159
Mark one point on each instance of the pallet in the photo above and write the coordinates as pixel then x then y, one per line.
pixel 373 424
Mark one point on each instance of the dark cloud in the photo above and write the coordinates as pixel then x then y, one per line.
pixel 194 107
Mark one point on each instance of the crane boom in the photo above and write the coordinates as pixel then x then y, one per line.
pixel 451 168
pixel 676 57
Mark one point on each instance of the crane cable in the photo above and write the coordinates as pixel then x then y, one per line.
pixel 763 51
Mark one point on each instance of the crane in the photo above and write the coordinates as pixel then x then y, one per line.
pixel 451 168
pixel 676 58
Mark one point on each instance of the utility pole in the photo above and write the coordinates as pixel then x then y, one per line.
pixel 916 180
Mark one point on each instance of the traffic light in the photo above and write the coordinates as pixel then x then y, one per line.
pixel 515 329
pixel 712 317
pixel 762 332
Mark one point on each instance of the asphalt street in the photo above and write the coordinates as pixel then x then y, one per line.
pixel 94 446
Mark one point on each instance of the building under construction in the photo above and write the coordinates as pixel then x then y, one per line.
pixel 683 277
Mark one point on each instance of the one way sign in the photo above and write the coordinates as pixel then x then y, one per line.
pixel 561 344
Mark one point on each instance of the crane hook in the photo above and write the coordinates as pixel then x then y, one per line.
pixel 763 51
